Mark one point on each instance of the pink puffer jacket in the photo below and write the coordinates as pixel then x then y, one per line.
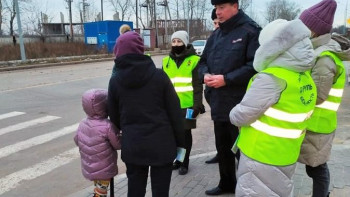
pixel 97 138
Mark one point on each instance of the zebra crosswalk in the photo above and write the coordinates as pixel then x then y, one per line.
pixel 9 179
pixel 23 125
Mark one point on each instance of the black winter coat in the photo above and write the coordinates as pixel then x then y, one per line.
pixel 142 102
pixel 230 52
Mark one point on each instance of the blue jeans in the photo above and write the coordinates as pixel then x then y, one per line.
pixel 320 177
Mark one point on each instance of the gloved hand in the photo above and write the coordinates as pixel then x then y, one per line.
pixel 180 154
pixel 202 109
pixel 195 112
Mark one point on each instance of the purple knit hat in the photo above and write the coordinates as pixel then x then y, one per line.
pixel 319 18
pixel 129 43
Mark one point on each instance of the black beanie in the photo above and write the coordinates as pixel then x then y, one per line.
pixel 213 14
pixel 217 2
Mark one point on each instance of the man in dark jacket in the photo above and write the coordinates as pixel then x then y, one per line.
pixel 142 103
pixel 226 67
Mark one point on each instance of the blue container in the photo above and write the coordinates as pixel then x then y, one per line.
pixel 103 33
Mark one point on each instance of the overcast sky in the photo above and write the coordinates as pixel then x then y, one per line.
pixel 54 7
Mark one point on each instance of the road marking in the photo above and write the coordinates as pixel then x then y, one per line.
pixel 23 125
pixel 11 114
pixel 54 83
pixel 13 180
pixel 8 150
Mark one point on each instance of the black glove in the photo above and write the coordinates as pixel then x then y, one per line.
pixel 202 109
pixel 195 112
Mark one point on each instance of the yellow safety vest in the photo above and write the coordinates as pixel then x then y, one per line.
pixel 181 77
pixel 324 118
pixel 276 137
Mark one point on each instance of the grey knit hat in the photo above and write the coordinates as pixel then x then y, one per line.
pixel 182 35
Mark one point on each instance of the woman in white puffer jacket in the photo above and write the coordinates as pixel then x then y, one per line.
pixel 268 152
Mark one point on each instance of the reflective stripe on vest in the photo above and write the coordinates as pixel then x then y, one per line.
pixel 281 115
pixel 181 77
pixel 324 118
pixel 276 137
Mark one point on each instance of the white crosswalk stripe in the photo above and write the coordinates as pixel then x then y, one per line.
pixel 8 150
pixel 11 114
pixel 24 125
pixel 13 180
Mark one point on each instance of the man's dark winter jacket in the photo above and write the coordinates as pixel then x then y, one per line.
pixel 142 102
pixel 230 52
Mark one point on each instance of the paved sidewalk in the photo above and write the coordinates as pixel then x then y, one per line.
pixel 202 176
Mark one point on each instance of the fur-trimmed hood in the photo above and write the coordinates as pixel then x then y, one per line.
pixel 285 44
pixel 334 43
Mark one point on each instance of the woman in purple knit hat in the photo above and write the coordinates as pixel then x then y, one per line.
pixel 329 76
pixel 142 103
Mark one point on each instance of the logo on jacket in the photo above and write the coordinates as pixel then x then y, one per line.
pixel 305 89
pixel 238 40
pixel 189 63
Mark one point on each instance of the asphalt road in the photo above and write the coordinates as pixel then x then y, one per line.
pixel 39 112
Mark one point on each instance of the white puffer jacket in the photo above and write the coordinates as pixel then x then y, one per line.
pixel 283 44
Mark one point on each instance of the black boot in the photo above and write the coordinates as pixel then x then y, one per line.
pixel 215 159
pixel 183 170
pixel 176 165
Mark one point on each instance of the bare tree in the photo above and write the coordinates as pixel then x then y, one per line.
pixel 244 4
pixel 139 16
pixel 35 17
pixel 281 9
pixel 121 6
pixel 87 10
pixel 10 8
pixel 1 14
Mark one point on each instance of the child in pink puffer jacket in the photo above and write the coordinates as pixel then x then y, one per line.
pixel 98 139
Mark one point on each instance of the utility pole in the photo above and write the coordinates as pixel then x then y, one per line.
pixel 70 19
pixel 145 5
pixel 84 10
pixel 137 19
pixel 188 18
pixel 155 21
pixel 165 4
pixel 102 10
pixel 345 16
pixel 251 8
pixel 171 22
pixel 23 53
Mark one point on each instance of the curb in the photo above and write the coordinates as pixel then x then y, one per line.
pixel 87 60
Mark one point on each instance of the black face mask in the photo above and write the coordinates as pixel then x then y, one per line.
pixel 178 49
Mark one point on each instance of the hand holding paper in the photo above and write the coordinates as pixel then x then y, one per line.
pixel 180 156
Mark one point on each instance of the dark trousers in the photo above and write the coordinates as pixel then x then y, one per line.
pixel 225 136
pixel 137 180
pixel 188 147
pixel 320 177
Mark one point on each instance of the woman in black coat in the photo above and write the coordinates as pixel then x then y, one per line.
pixel 143 104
